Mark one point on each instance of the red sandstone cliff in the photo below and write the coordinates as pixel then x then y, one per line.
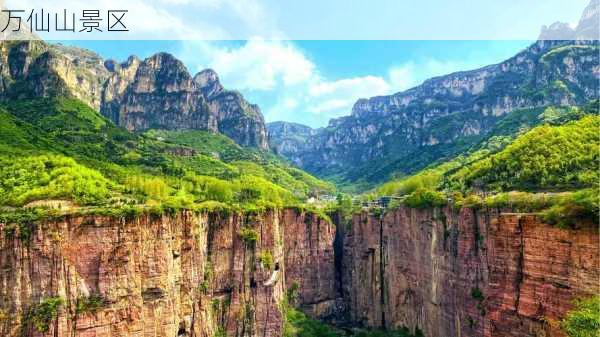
pixel 445 272
pixel 466 273
pixel 188 275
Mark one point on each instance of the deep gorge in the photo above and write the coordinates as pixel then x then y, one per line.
pixel 443 272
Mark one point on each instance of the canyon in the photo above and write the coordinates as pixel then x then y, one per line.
pixel 441 272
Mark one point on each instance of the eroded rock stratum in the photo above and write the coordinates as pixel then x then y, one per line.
pixel 444 272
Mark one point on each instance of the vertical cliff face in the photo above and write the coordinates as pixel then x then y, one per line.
pixel 467 273
pixel 441 271
pixel 238 119
pixel 185 275
pixel 291 139
pixel 189 275
pixel 310 264
pixel 159 94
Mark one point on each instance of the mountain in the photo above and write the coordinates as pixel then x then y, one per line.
pixel 37 69
pixel 157 92
pixel 404 132
pixel 587 28
pixel 290 138
pixel 392 136
pixel 164 226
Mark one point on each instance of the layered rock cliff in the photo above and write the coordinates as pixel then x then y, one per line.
pixel 441 271
pixel 292 139
pixel 402 133
pixel 159 93
pixel 467 273
pixel 184 275
pixel 138 94
pixel 36 69
pixel 406 131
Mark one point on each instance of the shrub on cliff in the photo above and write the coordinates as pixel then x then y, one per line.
pixel 297 324
pixel 579 206
pixel 584 319
pixel 248 235
pixel 266 259
pixel 90 304
pixel 42 314
pixel 424 198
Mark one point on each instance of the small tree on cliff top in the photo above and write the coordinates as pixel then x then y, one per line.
pixel 584 319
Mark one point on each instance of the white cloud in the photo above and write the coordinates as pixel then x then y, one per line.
pixel 335 98
pixel 289 85
pixel 292 83
pixel 402 77
pixel 164 19
pixel 288 75
pixel 371 85
pixel 330 105
pixel 290 103
pixel 411 74
pixel 257 65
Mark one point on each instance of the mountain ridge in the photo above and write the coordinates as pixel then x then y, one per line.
pixel 156 92
pixel 446 114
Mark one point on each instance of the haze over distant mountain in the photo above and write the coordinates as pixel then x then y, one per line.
pixel 587 28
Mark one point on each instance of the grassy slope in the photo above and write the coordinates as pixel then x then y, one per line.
pixel 548 158
pixel 515 128
pixel 545 158
pixel 44 134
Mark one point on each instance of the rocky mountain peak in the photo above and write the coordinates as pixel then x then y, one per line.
pixel 587 28
pixel 163 72
pixel 159 92
pixel 34 68
pixel 209 83
pixel 155 93
pixel 403 132
pixel 166 62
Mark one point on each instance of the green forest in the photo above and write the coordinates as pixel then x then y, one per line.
pixel 550 168
pixel 59 148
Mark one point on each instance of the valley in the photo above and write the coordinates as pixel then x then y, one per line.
pixel 137 199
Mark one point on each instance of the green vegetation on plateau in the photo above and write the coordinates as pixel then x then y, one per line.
pixel 545 158
pixel 50 177
pixel 552 168
pixel 60 149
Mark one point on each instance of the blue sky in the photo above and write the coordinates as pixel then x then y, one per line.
pixel 322 19
pixel 311 82
pixel 309 61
